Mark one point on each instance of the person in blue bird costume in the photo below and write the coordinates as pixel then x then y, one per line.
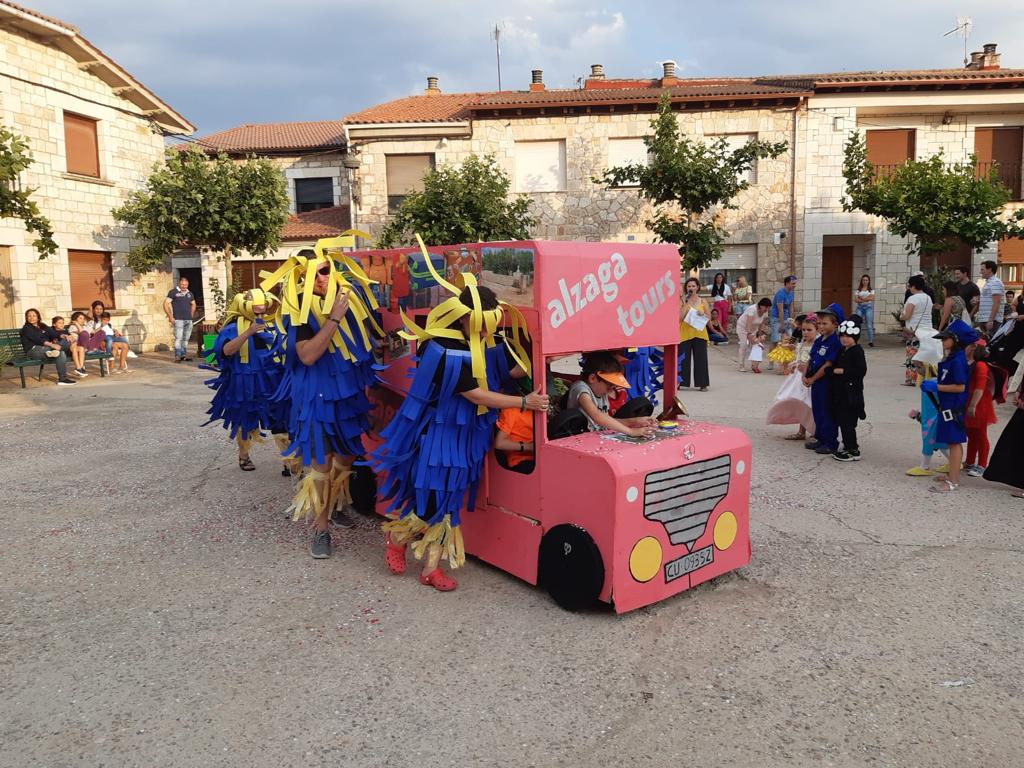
pixel 248 354
pixel 327 311
pixel 824 352
pixel 434 447
pixel 643 370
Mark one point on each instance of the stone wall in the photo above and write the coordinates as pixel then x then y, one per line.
pixel 587 211
pixel 825 128
pixel 35 89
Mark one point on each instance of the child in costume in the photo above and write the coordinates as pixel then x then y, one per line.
pixel 951 388
pixel 434 447
pixel 823 356
pixel 981 410
pixel 847 388
pixel 601 376
pixel 928 416
pixel 327 313
pixel 793 402
pixel 247 351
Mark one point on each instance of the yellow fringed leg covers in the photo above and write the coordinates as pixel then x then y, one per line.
pixel 245 441
pixel 443 535
pixel 339 492
pixel 309 496
pixel 291 463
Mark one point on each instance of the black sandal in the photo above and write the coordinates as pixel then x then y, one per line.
pixel 246 465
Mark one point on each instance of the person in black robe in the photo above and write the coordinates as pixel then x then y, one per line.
pixel 846 388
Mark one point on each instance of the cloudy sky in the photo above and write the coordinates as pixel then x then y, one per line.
pixel 223 63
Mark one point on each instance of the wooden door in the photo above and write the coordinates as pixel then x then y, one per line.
pixel 7 294
pixel 837 276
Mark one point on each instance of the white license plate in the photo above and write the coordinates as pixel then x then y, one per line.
pixel 689 563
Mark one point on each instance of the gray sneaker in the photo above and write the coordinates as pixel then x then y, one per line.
pixel 342 518
pixel 320 547
pixel 975 471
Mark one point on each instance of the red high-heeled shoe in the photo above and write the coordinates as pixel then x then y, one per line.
pixel 439 581
pixel 394 556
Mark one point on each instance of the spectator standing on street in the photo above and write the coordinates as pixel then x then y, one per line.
pixel 864 306
pixel 993 294
pixel 180 308
pixel 782 310
pixel 750 330
pixel 721 298
pixel 693 337
pixel 742 296
pixel 40 343
pixel 968 290
pixel 953 308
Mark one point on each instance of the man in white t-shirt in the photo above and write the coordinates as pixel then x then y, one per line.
pixel 993 294
pixel 748 326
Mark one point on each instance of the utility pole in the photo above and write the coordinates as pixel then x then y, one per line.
pixel 496 32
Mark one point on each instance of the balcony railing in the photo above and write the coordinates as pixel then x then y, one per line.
pixel 1009 174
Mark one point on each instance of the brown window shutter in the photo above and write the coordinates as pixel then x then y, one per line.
pixel 1011 251
pixel 889 148
pixel 247 273
pixel 81 146
pixel 405 172
pixel 1001 148
pixel 92 278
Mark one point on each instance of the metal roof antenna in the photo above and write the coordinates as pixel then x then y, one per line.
pixel 963 29
pixel 496 36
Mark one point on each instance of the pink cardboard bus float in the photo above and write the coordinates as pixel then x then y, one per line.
pixel 601 516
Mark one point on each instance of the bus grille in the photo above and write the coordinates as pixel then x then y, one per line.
pixel 683 498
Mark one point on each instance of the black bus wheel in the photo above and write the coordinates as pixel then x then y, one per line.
pixel 570 567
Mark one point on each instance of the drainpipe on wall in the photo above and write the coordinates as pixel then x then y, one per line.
pixel 792 192
pixel 350 176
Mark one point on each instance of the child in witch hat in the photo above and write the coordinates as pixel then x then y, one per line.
pixel 819 368
pixel 846 388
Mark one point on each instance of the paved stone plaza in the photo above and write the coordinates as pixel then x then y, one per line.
pixel 158 610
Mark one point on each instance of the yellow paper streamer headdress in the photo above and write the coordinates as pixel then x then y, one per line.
pixel 442 323
pixel 241 312
pixel 297 277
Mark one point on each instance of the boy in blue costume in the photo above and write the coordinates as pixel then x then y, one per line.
pixel 328 315
pixel 435 445
pixel 951 389
pixel 824 352
pixel 247 351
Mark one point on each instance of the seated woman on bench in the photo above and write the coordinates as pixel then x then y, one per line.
pixel 602 376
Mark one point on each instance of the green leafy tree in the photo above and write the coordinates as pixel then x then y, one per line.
pixel 217 203
pixel 461 204
pixel 935 204
pixel 685 179
pixel 17 203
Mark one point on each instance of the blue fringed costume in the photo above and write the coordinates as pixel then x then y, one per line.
pixel 435 445
pixel 644 370
pixel 328 404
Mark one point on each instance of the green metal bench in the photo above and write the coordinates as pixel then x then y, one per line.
pixel 12 353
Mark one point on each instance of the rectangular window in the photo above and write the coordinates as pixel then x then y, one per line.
pixel 246 274
pixel 312 194
pixel 735 141
pixel 404 175
pixel 627 152
pixel 1000 148
pixel 889 149
pixel 540 166
pixel 91 276
pixel 81 146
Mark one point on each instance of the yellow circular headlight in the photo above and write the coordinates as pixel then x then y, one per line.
pixel 645 559
pixel 725 530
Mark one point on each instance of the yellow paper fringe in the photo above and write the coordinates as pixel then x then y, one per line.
pixel 291 463
pixel 308 500
pixel 339 493
pixel 241 312
pixel 443 535
pixel 245 441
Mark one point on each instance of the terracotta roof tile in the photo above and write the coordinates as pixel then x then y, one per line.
pixel 895 76
pixel 38 15
pixel 277 137
pixel 686 89
pixel 312 225
pixel 432 108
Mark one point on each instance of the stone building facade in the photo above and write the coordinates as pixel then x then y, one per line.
pixel 49 72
